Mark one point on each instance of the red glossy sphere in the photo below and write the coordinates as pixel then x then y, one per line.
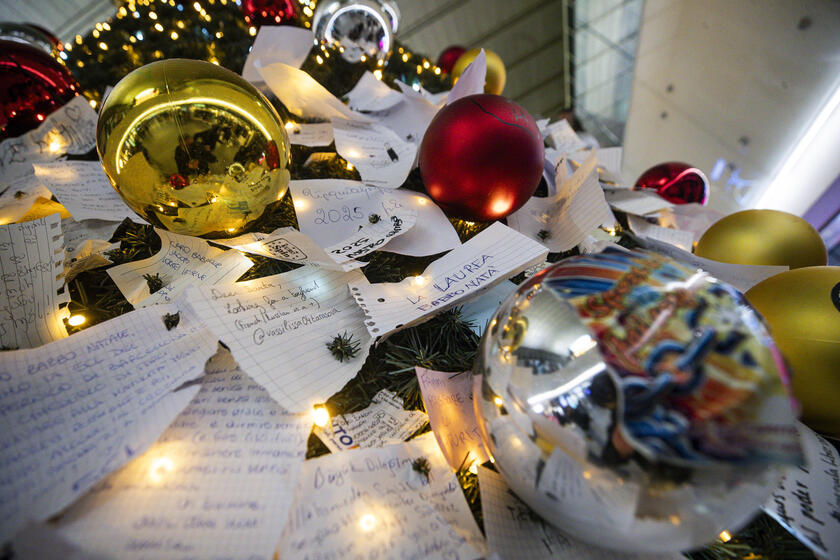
pixel 481 158
pixel 449 57
pixel 32 85
pixel 269 12
pixel 676 182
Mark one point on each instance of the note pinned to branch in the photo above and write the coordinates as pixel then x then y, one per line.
pixel 182 261
pixel 488 258
pixel 84 189
pixel 85 405
pixel 448 398
pixel 384 422
pixel 382 158
pixel 219 481
pixel 379 504
pixel 329 210
pixel 278 329
pixel 277 43
pixel 31 263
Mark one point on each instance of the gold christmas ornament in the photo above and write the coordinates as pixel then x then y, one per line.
pixel 192 147
pixel 802 308
pixel 763 237
pixel 496 75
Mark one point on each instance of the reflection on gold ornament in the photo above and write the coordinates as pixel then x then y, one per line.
pixel 496 75
pixel 763 237
pixel 802 308
pixel 192 147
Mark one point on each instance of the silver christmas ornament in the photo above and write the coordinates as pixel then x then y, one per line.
pixel 28 35
pixel 364 29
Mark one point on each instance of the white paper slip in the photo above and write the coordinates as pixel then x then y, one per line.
pixel 562 221
pixel 640 203
pixel 182 261
pixel 316 134
pixel 410 118
pixel 373 503
pixel 304 96
pixel 18 197
pixel 278 329
pixel 741 276
pixel 81 407
pixel 448 398
pixel 563 138
pixel 807 501
pixel 472 79
pixel 31 263
pixel 84 189
pixel 84 238
pixel 493 255
pixel 219 481
pixel 609 165
pixel 277 43
pixel 480 310
pixel 514 531
pixel 682 239
pixel 384 422
pixel 692 217
pixel 381 157
pixel 370 94
pixel 68 130
pixel 329 210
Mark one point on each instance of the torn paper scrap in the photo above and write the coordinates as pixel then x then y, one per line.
pixel 371 94
pixel 17 198
pixel 313 135
pixel 381 157
pixel 682 239
pixel 277 43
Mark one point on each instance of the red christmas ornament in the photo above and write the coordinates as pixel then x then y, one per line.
pixel 676 182
pixel 449 57
pixel 482 157
pixel 269 12
pixel 32 85
pixel 49 34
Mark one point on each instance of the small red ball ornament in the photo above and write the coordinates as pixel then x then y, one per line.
pixel 676 182
pixel 481 158
pixel 32 85
pixel 449 57
pixel 269 12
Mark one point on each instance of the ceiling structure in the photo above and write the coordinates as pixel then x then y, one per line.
pixel 65 18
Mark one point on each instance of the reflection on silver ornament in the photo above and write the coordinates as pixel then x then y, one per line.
pixel 634 402
pixel 364 29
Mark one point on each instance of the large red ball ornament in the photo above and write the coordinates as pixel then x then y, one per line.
pixel 269 12
pixel 449 57
pixel 676 182
pixel 32 85
pixel 481 158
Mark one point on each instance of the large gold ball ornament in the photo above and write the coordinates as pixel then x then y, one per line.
pixel 802 308
pixel 192 147
pixel 763 237
pixel 496 75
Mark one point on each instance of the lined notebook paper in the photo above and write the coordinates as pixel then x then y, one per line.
pixel 493 255
pixel 31 263
pixel 381 157
pixel 83 406
pixel 640 203
pixel 278 327
pixel 219 481
pixel 679 238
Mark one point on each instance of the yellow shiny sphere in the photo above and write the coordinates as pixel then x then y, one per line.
pixel 763 237
pixel 496 75
pixel 192 147
pixel 802 307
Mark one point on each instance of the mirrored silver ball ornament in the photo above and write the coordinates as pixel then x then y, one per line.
pixel 363 28
pixel 634 402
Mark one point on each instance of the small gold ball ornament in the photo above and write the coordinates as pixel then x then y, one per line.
pixel 496 75
pixel 802 307
pixel 763 237
pixel 192 147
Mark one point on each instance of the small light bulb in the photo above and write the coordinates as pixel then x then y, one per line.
pixel 252 31
pixel 437 71
pixel 473 468
pixel 419 280
pixel 76 320
pixel 173 35
pixel 93 103
pixel 103 46
pixel 349 166
pixel 498 400
pixel 290 126
pixel 320 416
pixel 377 74
pixel 158 27
pixel 426 64
pixel 725 536
pixel 367 522
pixel 318 59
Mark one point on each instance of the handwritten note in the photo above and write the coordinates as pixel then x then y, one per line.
pixel 370 94
pixel 182 261
pixel 76 409
pixel 31 262
pixel 514 531
pixel 448 398
pixel 493 255
pixel 807 501
pixel 278 329
pixel 85 244
pixel 68 130
pixel 640 203
pixel 329 210
pixel 277 43
pixel 563 138
pixel 682 239
pixel 218 482
pixel 372 503
pixel 380 155
pixel 317 134
pixel 565 219
pixel 85 190
pixel 385 421
pixel 741 276
pixel 18 197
